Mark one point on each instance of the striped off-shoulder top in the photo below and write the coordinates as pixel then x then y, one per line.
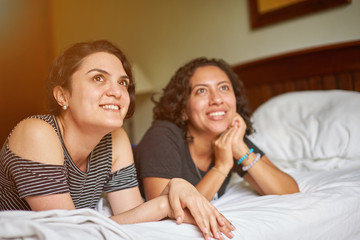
pixel 21 177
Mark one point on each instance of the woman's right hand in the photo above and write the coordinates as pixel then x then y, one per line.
pixel 181 195
pixel 239 148
pixel 223 149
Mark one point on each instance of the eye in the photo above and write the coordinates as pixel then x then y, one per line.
pixel 98 78
pixel 200 91
pixel 224 87
pixel 124 82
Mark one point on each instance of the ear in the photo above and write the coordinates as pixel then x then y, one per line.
pixel 184 115
pixel 60 95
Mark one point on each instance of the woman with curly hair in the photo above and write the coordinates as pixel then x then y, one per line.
pixel 199 133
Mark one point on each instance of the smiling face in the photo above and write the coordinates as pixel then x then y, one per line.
pixel 211 106
pixel 98 97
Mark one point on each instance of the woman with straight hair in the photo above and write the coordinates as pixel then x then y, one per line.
pixel 67 158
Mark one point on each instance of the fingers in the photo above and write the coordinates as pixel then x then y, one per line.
pixel 241 123
pixel 238 118
pixel 203 214
pixel 227 136
pixel 211 222
pixel 221 226
pixel 199 216
pixel 226 226
pixel 215 228
pixel 176 208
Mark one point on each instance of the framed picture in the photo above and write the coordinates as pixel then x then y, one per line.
pixel 265 12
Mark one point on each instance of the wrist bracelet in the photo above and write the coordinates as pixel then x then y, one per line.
pixel 245 156
pixel 245 168
pixel 217 170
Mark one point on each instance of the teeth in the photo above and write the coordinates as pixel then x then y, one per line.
pixel 114 107
pixel 217 114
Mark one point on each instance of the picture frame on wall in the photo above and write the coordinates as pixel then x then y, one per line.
pixel 266 12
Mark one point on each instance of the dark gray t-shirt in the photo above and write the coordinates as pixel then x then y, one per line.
pixel 163 152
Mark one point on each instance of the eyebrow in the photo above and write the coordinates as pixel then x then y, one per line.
pixel 202 84
pixel 105 72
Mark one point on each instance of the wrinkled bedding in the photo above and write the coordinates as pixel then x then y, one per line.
pixel 318 144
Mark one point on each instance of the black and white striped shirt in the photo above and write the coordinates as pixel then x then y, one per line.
pixel 20 177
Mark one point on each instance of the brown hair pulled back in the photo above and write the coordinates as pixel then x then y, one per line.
pixel 67 63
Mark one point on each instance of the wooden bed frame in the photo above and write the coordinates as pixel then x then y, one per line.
pixel 335 66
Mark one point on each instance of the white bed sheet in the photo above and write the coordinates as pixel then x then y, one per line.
pixel 328 207
pixel 322 154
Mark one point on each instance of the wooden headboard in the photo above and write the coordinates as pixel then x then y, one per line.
pixel 335 66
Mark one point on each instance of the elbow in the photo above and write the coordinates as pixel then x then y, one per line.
pixel 289 190
pixel 283 190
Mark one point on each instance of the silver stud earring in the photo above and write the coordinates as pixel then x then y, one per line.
pixel 184 118
pixel 64 107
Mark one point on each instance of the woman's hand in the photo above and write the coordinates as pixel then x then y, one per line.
pixel 224 144
pixel 182 194
pixel 230 145
pixel 238 147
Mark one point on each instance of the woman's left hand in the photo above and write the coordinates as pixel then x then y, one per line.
pixel 239 148
pixel 182 194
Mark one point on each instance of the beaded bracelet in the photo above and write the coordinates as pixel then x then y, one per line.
pixel 245 156
pixel 245 168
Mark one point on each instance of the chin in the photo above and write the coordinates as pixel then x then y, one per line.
pixel 224 126
pixel 114 124
pixel 218 130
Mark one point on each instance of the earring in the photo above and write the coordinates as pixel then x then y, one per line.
pixel 64 107
pixel 184 118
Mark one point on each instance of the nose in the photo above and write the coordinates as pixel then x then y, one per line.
pixel 114 90
pixel 215 98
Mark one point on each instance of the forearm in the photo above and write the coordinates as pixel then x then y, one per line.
pixel 153 210
pixel 211 183
pixel 266 178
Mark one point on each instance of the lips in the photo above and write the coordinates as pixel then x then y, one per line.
pixel 110 106
pixel 217 114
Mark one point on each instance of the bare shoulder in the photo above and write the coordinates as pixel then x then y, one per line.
pixel 36 140
pixel 122 152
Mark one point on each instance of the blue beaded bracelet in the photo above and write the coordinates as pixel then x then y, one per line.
pixel 245 156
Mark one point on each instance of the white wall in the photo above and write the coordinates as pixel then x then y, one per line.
pixel 161 35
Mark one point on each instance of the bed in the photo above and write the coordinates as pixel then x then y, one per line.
pixel 306 112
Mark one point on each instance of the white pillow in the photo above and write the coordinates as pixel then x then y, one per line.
pixel 312 125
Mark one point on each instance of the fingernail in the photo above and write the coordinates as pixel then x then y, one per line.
pixel 233 227
pixel 231 234
pixel 178 220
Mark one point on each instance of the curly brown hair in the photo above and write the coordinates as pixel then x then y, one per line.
pixel 67 63
pixel 176 93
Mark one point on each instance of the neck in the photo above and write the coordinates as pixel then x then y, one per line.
pixel 78 141
pixel 201 150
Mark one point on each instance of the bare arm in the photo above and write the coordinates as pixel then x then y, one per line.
pixel 176 195
pixel 263 176
pixel 31 140
pixel 124 200
pixel 267 179
pixel 153 210
pixel 210 184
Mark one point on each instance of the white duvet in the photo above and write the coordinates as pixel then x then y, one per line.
pixel 322 156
